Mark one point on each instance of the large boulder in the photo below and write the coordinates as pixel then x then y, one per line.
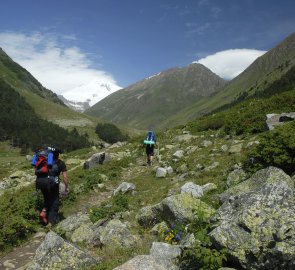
pixel 270 175
pixel 96 159
pixel 274 119
pixel 116 233
pixel 55 253
pixel 181 208
pixel 256 225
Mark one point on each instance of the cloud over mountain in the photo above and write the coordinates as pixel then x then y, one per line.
pixel 58 66
pixel 230 63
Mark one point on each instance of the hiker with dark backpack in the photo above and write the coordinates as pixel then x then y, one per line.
pixel 150 142
pixel 48 167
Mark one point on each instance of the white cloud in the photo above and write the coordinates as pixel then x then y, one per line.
pixel 230 63
pixel 57 67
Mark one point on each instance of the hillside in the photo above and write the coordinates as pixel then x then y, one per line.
pixel 44 102
pixel 256 79
pixel 152 101
pixel 26 130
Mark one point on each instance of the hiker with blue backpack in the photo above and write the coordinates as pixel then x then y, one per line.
pixel 48 167
pixel 150 142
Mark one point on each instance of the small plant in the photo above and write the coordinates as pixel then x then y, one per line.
pixel 172 234
pixel 118 203
pixel 202 255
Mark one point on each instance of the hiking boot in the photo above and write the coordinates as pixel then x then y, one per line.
pixel 43 216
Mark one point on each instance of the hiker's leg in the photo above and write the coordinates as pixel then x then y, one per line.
pixel 46 197
pixel 53 217
pixel 43 213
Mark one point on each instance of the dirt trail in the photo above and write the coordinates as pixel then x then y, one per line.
pixel 22 255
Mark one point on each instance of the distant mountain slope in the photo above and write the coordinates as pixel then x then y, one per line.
pixel 9 68
pixel 153 100
pixel 20 124
pixel 257 78
pixel 45 103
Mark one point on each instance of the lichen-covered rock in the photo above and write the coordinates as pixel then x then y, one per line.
pixel 149 216
pixel 116 233
pixel 269 175
pixel 68 226
pixel 55 253
pixel 84 233
pixel 166 254
pixel 142 262
pixel 183 208
pixel 180 208
pixel 256 225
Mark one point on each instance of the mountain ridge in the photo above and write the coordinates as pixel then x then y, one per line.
pixel 152 100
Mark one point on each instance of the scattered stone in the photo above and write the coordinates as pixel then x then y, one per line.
pixel 184 138
pixel 224 148
pixel 236 148
pixel 161 172
pixel 124 187
pixel 207 143
pixel 212 167
pixel 169 170
pixel 178 154
pixel 193 189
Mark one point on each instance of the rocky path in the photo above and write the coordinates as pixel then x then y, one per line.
pixel 21 256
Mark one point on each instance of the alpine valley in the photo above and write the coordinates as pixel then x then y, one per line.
pixel 219 193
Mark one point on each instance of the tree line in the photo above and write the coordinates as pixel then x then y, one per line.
pixel 25 129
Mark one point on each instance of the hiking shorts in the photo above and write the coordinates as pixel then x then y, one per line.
pixel 149 149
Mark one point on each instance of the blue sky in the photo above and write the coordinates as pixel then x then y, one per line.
pixel 124 41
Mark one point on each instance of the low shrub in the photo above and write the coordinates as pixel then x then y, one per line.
pixel 202 255
pixel 110 133
pixel 276 148
pixel 118 203
pixel 19 216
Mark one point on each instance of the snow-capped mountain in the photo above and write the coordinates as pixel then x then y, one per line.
pixel 86 95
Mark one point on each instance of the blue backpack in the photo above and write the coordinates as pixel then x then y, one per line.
pixel 150 138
